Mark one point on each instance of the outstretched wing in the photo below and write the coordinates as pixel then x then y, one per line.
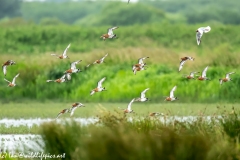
pixel 204 73
pixel 100 82
pixel 228 74
pixel 65 51
pixel 172 92
pixel 199 35
pixel 110 30
pixel 4 68
pixel 68 76
pixel 7 80
pixel 140 60
pixel 72 110
pixel 130 104
pixel 102 59
pixel 73 64
pixel 143 93
pixel 63 77
pixel 206 29
pixel 14 79
pixel 192 74
pixel 181 65
pixel 59 114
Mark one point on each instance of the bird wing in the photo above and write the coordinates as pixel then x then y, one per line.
pixel 100 82
pixel 204 73
pixel 130 104
pixel 110 30
pixel 68 76
pixel 14 79
pixel 143 93
pixel 220 81
pixel 59 114
pixel 181 64
pixel 102 59
pixel 128 1
pixel 140 60
pixel 228 74
pixel 54 55
pixel 7 80
pixel 199 35
pixel 192 74
pixel 63 77
pixel 4 68
pixel 73 64
pixel 65 51
pixel 49 80
pixel 172 92
pixel 72 110
pixel 206 29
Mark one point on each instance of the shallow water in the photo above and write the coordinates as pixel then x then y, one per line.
pixel 21 143
pixel 38 121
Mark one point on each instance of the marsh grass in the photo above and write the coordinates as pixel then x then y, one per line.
pixel 120 136
pixel 22 129
pixel 30 109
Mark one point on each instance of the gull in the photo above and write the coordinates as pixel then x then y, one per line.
pixel 226 79
pixel 12 84
pixel 129 110
pixel 142 98
pixel 191 75
pixel 171 97
pixel 64 55
pixel 62 79
pixel 99 61
pixel 109 34
pixel 73 68
pixel 62 112
pixel 183 60
pixel 200 32
pixel 203 77
pixel 74 107
pixel 99 87
pixel 4 66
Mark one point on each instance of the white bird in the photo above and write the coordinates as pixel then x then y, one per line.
pixel 204 75
pixel 227 78
pixel 12 84
pixel 129 109
pixel 109 34
pixel 171 97
pixel 73 68
pixel 200 32
pixel 99 87
pixel 183 60
pixel 99 61
pixel 64 55
pixel 143 97
pixel 135 69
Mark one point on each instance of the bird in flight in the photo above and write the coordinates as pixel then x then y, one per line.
pixel 12 84
pixel 171 97
pixel 4 66
pixel 227 78
pixel 143 97
pixel 64 55
pixel 110 34
pixel 200 31
pixel 99 87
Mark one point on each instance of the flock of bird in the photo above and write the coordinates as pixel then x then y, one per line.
pixel 135 68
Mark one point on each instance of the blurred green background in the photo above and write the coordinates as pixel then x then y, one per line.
pixel 162 30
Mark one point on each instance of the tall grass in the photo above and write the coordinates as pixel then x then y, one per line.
pixel 115 137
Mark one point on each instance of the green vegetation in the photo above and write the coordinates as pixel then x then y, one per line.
pixel 148 138
pixel 50 109
pixel 22 129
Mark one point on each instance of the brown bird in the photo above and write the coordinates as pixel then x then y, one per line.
pixel 183 60
pixel 64 55
pixel 204 73
pixel 190 76
pixel 226 79
pixel 99 61
pixel 4 66
pixel 109 34
pixel 171 97
pixel 12 84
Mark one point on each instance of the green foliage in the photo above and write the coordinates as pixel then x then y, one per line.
pixel 116 137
